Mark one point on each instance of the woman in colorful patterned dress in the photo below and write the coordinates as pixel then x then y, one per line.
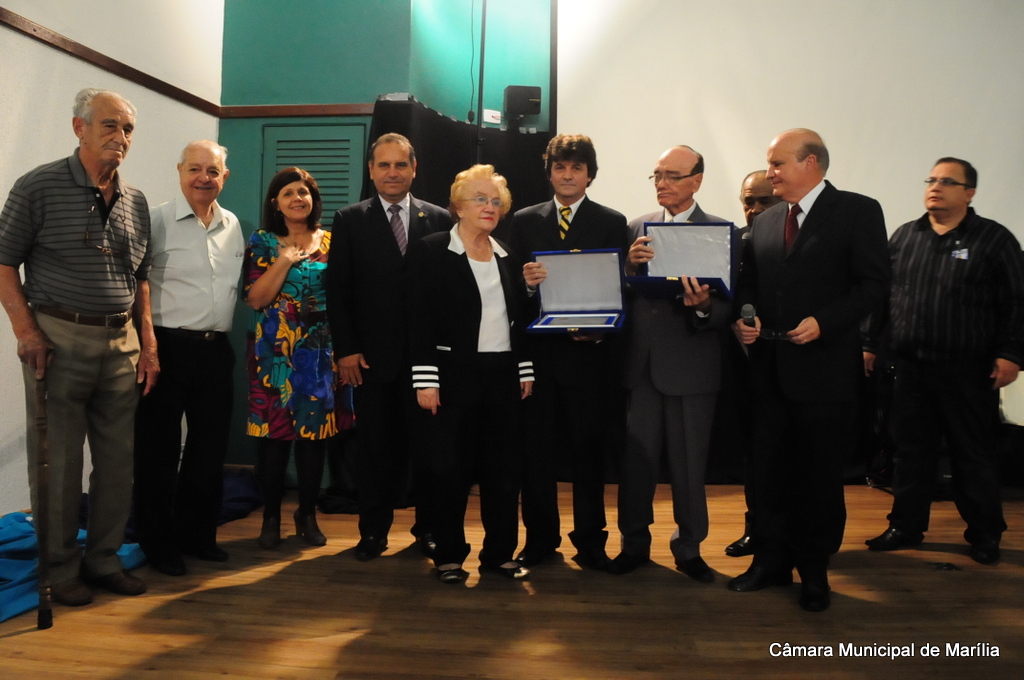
pixel 290 360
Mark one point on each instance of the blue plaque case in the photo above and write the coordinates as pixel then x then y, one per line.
pixel 582 292
pixel 704 250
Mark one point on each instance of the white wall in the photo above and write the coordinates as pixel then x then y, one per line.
pixel 177 41
pixel 891 86
pixel 39 84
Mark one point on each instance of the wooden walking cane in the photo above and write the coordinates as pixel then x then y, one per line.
pixel 41 513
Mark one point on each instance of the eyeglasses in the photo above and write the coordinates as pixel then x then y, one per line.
pixel 481 201
pixel 670 177
pixel 946 182
pixel 111 249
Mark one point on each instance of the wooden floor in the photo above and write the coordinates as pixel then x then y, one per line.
pixel 300 612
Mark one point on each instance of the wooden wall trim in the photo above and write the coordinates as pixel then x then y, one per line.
pixel 91 56
pixel 294 110
pixel 79 51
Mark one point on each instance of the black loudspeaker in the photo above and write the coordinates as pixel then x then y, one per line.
pixel 521 100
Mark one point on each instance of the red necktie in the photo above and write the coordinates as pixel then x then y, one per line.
pixel 792 227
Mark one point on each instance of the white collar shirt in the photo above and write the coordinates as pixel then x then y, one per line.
pixel 196 270
pixel 572 206
pixel 403 213
pixel 807 202
pixel 682 216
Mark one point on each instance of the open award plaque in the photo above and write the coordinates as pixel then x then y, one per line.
pixel 703 250
pixel 582 292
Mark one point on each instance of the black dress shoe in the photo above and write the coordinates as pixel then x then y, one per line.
pixel 210 553
pixel 369 547
pixel 697 569
pixel 529 557
pixel 625 563
pixel 451 576
pixel 516 573
pixel 741 547
pixel 814 595
pixel 169 563
pixel 592 559
pixel 894 539
pixel 985 553
pixel 426 544
pixel 759 578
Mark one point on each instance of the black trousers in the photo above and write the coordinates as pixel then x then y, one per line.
pixel 567 422
pixel 954 400
pixel 798 452
pixel 476 436
pixel 178 491
pixel 381 460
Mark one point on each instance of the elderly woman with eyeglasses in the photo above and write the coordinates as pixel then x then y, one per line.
pixel 469 373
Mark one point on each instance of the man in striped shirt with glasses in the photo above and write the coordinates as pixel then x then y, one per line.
pixel 82 321
pixel 955 322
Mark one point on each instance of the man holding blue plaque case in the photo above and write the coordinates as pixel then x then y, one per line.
pixel 673 377
pixel 572 408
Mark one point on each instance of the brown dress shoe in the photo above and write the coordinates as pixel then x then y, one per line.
pixel 73 592
pixel 120 583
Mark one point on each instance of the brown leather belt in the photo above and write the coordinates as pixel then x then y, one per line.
pixel 105 320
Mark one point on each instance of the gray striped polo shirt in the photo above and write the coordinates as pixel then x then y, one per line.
pixel 52 224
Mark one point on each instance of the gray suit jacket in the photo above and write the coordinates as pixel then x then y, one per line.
pixel 681 351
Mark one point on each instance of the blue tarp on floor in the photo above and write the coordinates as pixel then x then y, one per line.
pixel 19 557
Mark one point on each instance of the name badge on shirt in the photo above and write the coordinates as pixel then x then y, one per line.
pixel 960 254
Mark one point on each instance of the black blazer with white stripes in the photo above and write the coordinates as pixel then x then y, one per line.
pixel 445 310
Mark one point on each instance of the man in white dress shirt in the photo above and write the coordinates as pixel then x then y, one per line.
pixel 198 251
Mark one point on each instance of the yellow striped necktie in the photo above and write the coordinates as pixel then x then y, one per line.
pixel 563 224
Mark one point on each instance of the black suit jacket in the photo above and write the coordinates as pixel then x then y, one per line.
pixel 593 227
pixel 365 292
pixel 445 310
pixel 837 272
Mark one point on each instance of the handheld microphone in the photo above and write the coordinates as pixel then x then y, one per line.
pixel 747 313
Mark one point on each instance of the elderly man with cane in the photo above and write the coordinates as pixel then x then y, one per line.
pixel 81 319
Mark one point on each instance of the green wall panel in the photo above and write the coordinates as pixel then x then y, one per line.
pixel 445 60
pixel 350 51
pixel 314 51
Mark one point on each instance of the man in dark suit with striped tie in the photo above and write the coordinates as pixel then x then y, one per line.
pixel 366 309
pixel 576 398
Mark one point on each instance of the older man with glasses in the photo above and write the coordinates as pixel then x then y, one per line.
pixel 673 376
pixel 83 324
